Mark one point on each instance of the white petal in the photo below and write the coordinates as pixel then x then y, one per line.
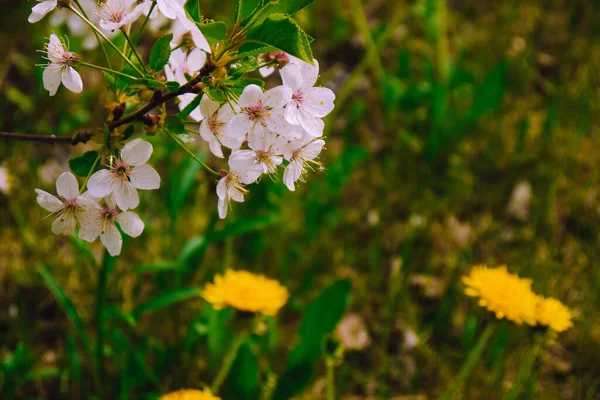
pixel 40 10
pixel 291 76
pixel 67 186
pixel 237 196
pixel 312 125
pixel 277 97
pixel 196 60
pixel 242 160
pixel 266 71
pixel 130 223
pixel 136 152
pixel 222 188
pixel 310 73
pixel 222 207
pixel 278 124
pixel 144 177
pixel 250 95
pixel 313 149
pixel 91 225
pixel 319 101
pixel 250 176
pixel 170 8
pixel 55 49
pixel 208 106
pixel 239 126
pixel 72 80
pixel 126 196
pixel 48 202
pixel 88 203
pixel 51 77
pixel 292 173
pixel 111 239
pixel 64 224
pixel 101 183
pixel 215 147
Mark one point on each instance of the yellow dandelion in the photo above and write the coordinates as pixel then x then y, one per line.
pixel 246 291
pixel 190 394
pixel 503 293
pixel 553 313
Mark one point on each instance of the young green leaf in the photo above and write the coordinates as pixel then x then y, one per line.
pixel 214 32
pixel 160 52
pixel 286 7
pixel 173 86
pixel 83 164
pixel 278 32
pixel 215 94
pixel 244 9
pixel 165 300
pixel 192 8
pixel 190 107
pixel 242 381
pixel 243 66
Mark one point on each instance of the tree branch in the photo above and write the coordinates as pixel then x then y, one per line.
pixel 140 115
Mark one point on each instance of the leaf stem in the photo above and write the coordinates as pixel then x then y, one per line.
pixel 191 153
pixel 87 178
pixel 330 378
pixel 112 71
pixel 472 359
pixel 227 363
pixel 95 34
pixel 135 52
pixel 139 34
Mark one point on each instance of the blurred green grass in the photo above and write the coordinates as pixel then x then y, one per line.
pixel 441 112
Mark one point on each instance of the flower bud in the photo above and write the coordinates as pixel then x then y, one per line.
pixel 146 94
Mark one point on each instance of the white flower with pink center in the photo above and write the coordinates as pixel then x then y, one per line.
pixel 261 113
pixel 308 104
pixel 126 175
pixel 101 223
pixel 213 126
pixel 60 68
pixel 69 207
pixel 263 158
pixel 115 14
pixel 229 188
pixel 301 153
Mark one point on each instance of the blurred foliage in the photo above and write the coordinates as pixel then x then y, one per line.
pixel 442 110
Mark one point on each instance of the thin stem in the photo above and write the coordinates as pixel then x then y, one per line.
pixel 107 263
pixel 191 153
pixel 135 52
pixel 227 363
pixel 139 34
pixel 527 366
pixel 112 71
pixel 469 365
pixel 103 36
pixel 330 379
pixel 362 24
pixel 95 34
pixel 87 178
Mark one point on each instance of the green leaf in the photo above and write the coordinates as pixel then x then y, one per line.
pixel 285 7
pixel 214 32
pixel 157 266
pixel 244 9
pixel 319 319
pixel 160 52
pixel 68 307
pixel 215 94
pixel 165 300
pixel 242 381
pixel 219 335
pixel 192 8
pixel 278 32
pixel 83 164
pixel 174 124
pixel 243 66
pixel 187 110
pixel 173 86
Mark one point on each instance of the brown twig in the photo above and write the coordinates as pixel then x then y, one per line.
pixel 140 115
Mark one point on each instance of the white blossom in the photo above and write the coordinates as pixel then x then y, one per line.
pixel 214 125
pixel 59 69
pixel 181 64
pixel 101 223
pixel 229 188
pixel 171 8
pixel 182 27
pixel 69 207
pixel 309 104
pixel 115 14
pixel 5 181
pixel 126 175
pixel 40 10
pixel 300 153
pixel 263 158
pixel 260 113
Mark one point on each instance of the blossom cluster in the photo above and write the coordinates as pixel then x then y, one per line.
pixel 511 297
pixel 257 131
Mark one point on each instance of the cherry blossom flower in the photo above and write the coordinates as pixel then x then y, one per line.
pixel 181 64
pixel 40 10
pixel 309 104
pixel 261 113
pixel 171 8
pixel 69 207
pixel 115 14
pixel 263 158
pixel 126 175
pixel 213 127
pixel 183 27
pixel 229 188
pixel 300 153
pixel 59 69
pixel 101 222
